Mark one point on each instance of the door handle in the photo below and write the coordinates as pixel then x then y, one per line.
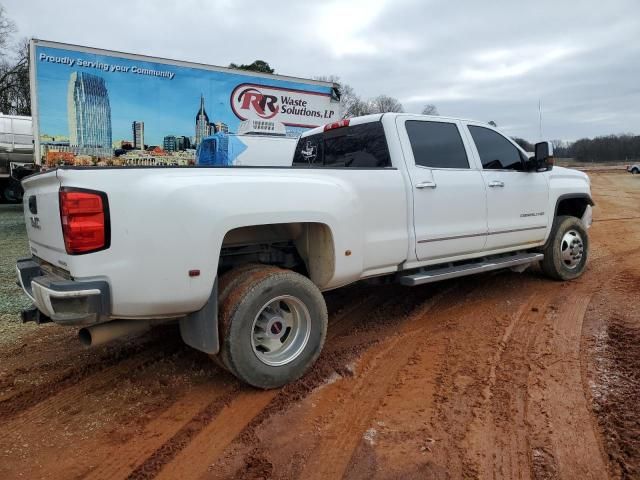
pixel 426 185
pixel 496 183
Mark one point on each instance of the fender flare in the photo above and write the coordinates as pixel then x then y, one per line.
pixel 567 196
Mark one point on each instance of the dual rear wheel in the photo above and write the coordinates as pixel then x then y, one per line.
pixel 273 323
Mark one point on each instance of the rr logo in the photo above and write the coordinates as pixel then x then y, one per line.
pixel 264 105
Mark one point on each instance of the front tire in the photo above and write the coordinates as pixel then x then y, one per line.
pixel 272 326
pixel 566 251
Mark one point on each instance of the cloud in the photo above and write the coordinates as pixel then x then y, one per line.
pixel 340 26
pixel 482 60
pixel 516 62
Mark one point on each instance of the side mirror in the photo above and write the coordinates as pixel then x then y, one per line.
pixel 543 159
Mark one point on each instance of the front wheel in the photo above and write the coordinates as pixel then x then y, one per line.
pixel 566 251
pixel 273 326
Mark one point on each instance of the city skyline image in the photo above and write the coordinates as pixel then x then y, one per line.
pixel 101 92
pixel 88 111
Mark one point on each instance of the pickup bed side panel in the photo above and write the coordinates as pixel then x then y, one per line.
pixel 165 222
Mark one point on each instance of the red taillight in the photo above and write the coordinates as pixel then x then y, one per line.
pixel 84 219
pixel 338 124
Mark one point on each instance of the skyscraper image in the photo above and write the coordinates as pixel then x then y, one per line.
pixel 138 135
pixel 202 123
pixel 221 127
pixel 88 111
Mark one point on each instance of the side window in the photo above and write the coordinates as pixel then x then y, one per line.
pixel 436 144
pixel 496 152
pixel 359 146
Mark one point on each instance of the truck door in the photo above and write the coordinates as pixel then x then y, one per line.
pixel 517 200
pixel 449 198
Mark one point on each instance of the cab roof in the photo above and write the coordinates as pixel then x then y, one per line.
pixel 376 117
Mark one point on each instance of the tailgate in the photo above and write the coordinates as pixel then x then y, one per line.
pixel 42 217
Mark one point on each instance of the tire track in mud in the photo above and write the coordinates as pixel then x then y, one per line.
pixel 615 219
pixel 34 410
pixel 533 392
pixel 28 396
pixel 183 413
pixel 496 440
pixel 360 398
pixel 575 447
pixel 196 444
pixel 195 458
pixel 153 464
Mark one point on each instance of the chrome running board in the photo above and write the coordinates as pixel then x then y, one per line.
pixel 437 273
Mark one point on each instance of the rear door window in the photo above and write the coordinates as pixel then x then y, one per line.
pixel 436 144
pixel 358 146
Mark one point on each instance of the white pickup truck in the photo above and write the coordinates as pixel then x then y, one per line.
pixel 240 255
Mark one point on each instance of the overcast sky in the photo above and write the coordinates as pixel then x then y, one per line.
pixel 489 60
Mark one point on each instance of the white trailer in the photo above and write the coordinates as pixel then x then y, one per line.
pixel 16 155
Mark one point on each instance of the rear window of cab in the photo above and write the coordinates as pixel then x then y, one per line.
pixel 357 146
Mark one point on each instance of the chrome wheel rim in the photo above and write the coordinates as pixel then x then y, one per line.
pixel 571 249
pixel 280 330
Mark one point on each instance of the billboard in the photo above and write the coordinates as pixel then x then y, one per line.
pixel 99 107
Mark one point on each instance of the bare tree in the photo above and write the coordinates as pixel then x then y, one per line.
pixel 358 108
pixel 430 109
pixel 7 29
pixel 14 81
pixel 352 105
pixel 526 145
pixel 385 103
pixel 14 70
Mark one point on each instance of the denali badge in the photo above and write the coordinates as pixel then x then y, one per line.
pixel 35 222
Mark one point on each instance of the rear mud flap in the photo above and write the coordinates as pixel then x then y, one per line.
pixel 199 329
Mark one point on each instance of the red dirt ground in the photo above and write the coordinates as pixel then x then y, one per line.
pixel 504 375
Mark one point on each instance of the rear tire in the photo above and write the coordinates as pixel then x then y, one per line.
pixel 273 324
pixel 227 284
pixel 635 171
pixel 566 251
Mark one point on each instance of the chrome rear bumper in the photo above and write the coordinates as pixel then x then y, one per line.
pixel 67 302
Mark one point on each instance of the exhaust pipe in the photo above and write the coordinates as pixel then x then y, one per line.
pixel 105 332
